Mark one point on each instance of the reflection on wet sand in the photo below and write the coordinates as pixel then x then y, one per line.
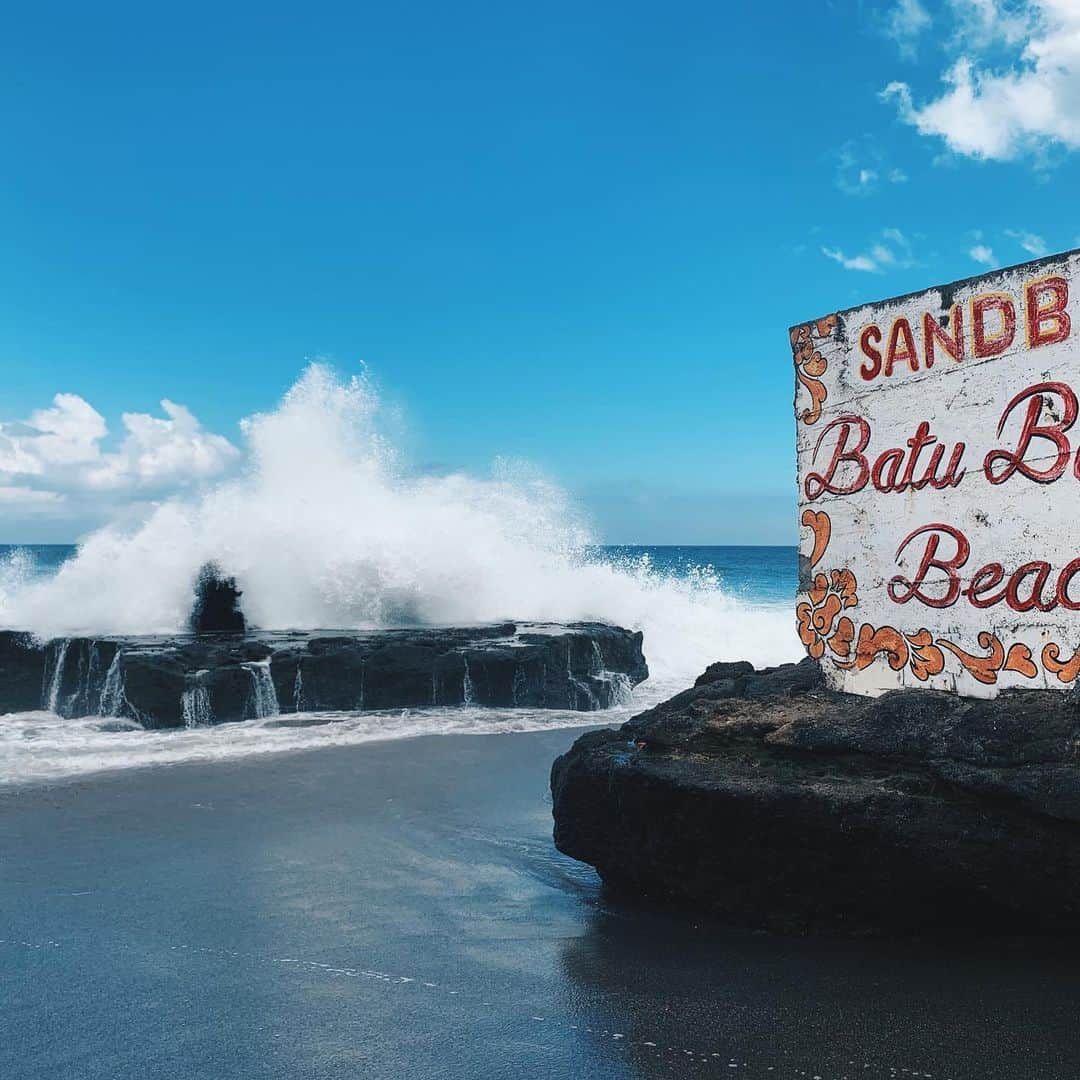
pixel 688 995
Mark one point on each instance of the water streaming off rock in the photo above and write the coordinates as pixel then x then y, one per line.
pixel 264 700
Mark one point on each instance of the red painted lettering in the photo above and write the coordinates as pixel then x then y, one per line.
pixel 1064 581
pixel 891 460
pixel 992 344
pixel 871 334
pixel 953 473
pixel 901 336
pixel 1013 461
pixel 902 589
pixel 1045 305
pixel 917 443
pixel 817 484
pixel 934 334
pixel 1039 571
pixel 988 577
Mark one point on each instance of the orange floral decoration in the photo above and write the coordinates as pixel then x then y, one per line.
pixel 822 626
pixel 818 624
pixel 810 364
pixel 1067 670
pixel 820 524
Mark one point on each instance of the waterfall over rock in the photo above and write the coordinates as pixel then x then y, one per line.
pixel 195 681
pixel 264 700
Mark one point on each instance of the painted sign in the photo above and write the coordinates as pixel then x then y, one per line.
pixel 939 485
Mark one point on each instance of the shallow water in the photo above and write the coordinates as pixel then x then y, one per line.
pixel 42 747
pixel 398 911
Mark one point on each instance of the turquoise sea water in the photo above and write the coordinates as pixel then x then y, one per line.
pixel 762 575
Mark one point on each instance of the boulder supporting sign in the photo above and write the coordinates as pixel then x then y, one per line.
pixel 939 485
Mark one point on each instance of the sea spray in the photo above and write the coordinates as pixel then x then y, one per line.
pixel 327 527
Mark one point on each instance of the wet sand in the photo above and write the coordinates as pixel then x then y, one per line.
pixel 398 910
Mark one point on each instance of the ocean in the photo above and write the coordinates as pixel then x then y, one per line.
pixel 756 574
pixel 327 526
pixel 376 893
pixel 694 605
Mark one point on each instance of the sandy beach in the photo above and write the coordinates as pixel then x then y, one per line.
pixel 398 910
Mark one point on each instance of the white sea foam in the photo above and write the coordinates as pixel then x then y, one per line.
pixel 328 527
pixel 42 747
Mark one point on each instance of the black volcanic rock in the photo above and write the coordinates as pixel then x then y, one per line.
pixel 217 604
pixel 22 672
pixel 215 678
pixel 765 799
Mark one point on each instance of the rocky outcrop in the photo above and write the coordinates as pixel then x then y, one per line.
pixel 204 679
pixel 217 604
pixel 772 802
pixel 22 672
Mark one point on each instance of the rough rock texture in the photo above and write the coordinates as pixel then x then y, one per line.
pixel 214 678
pixel 22 672
pixel 768 800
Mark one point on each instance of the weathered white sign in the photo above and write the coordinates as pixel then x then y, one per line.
pixel 939 485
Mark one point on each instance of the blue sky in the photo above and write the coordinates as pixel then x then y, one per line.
pixel 574 234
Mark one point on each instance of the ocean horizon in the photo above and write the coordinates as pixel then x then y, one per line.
pixel 765 573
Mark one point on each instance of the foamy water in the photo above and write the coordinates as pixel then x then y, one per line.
pixel 39 746
pixel 329 527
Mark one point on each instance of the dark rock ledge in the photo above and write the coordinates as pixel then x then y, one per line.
pixel 767 800
pixel 195 680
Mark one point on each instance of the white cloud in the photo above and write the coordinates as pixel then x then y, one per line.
pixel 174 451
pixel 904 23
pixel 995 112
pixel 56 455
pixel 852 262
pixel 982 254
pixel 65 435
pixel 979 24
pixel 892 251
pixel 26 496
pixel 1030 242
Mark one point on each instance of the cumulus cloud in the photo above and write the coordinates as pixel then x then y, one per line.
pixel 892 251
pixel 57 456
pixel 170 452
pixel 984 255
pixel 63 437
pixel 999 112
